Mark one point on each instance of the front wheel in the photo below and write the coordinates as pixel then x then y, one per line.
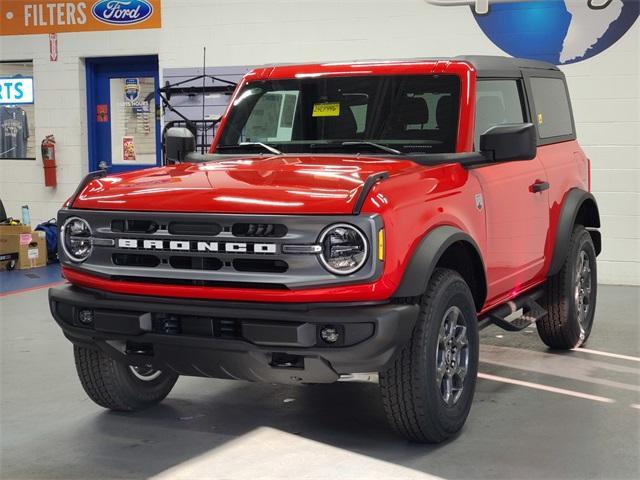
pixel 428 390
pixel 118 386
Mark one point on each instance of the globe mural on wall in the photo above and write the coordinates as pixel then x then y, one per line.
pixel 556 31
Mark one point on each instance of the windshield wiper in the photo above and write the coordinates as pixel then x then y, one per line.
pixel 375 145
pixel 266 147
pixel 269 148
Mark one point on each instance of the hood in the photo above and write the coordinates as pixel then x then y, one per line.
pixel 281 184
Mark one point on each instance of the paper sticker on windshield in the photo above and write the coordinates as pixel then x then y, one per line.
pixel 326 109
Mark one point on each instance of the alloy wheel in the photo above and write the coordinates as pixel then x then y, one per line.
pixel 452 356
pixel 145 373
pixel 582 291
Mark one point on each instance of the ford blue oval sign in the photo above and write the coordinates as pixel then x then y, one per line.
pixel 559 32
pixel 122 12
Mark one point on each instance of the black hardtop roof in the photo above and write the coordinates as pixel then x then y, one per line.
pixel 499 66
pixel 495 66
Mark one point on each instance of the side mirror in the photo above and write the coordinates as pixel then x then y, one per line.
pixel 178 143
pixel 509 142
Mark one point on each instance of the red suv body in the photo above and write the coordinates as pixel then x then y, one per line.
pixel 339 206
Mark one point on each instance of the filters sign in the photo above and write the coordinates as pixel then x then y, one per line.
pixel 30 17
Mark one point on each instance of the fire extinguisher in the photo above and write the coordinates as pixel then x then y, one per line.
pixel 49 160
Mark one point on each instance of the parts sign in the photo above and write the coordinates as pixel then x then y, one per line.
pixel 29 17
pixel 16 90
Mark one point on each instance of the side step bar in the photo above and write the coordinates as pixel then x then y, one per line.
pixel 531 313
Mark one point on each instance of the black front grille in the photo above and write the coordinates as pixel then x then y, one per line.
pixel 273 230
pixel 195 263
pixel 213 254
pixel 199 283
pixel 227 328
pixel 216 250
pixel 134 226
pixel 194 228
pixel 197 326
pixel 200 263
pixel 135 260
pixel 260 265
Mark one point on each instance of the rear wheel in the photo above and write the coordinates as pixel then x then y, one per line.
pixel 570 296
pixel 428 391
pixel 118 386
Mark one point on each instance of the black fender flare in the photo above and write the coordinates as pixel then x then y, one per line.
pixel 571 207
pixel 426 256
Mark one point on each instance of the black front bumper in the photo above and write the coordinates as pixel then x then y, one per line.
pixel 278 343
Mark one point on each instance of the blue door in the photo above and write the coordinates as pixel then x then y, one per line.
pixel 123 113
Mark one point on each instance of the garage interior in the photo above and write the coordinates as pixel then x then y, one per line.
pixel 537 413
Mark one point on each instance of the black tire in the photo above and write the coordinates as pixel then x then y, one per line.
pixel 411 392
pixel 114 385
pixel 563 328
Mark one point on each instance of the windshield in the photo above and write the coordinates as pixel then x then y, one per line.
pixel 408 114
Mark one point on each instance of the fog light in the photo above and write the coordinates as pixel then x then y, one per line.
pixel 85 317
pixel 329 334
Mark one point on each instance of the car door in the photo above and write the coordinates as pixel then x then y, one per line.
pixel 515 197
pixel 565 163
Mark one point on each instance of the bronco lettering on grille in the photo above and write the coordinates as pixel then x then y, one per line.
pixel 197 246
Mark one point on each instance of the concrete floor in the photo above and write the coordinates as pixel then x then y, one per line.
pixel 536 414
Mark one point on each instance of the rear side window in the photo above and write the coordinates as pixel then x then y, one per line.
pixel 497 102
pixel 552 110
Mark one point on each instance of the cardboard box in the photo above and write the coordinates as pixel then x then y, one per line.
pixel 31 247
pixel 10 245
pixel 13 229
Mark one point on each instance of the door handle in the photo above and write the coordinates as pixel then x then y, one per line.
pixel 539 186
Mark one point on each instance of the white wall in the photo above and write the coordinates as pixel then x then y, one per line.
pixel 605 89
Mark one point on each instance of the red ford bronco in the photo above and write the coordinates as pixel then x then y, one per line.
pixel 349 217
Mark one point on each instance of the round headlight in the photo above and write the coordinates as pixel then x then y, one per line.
pixel 76 239
pixel 344 249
